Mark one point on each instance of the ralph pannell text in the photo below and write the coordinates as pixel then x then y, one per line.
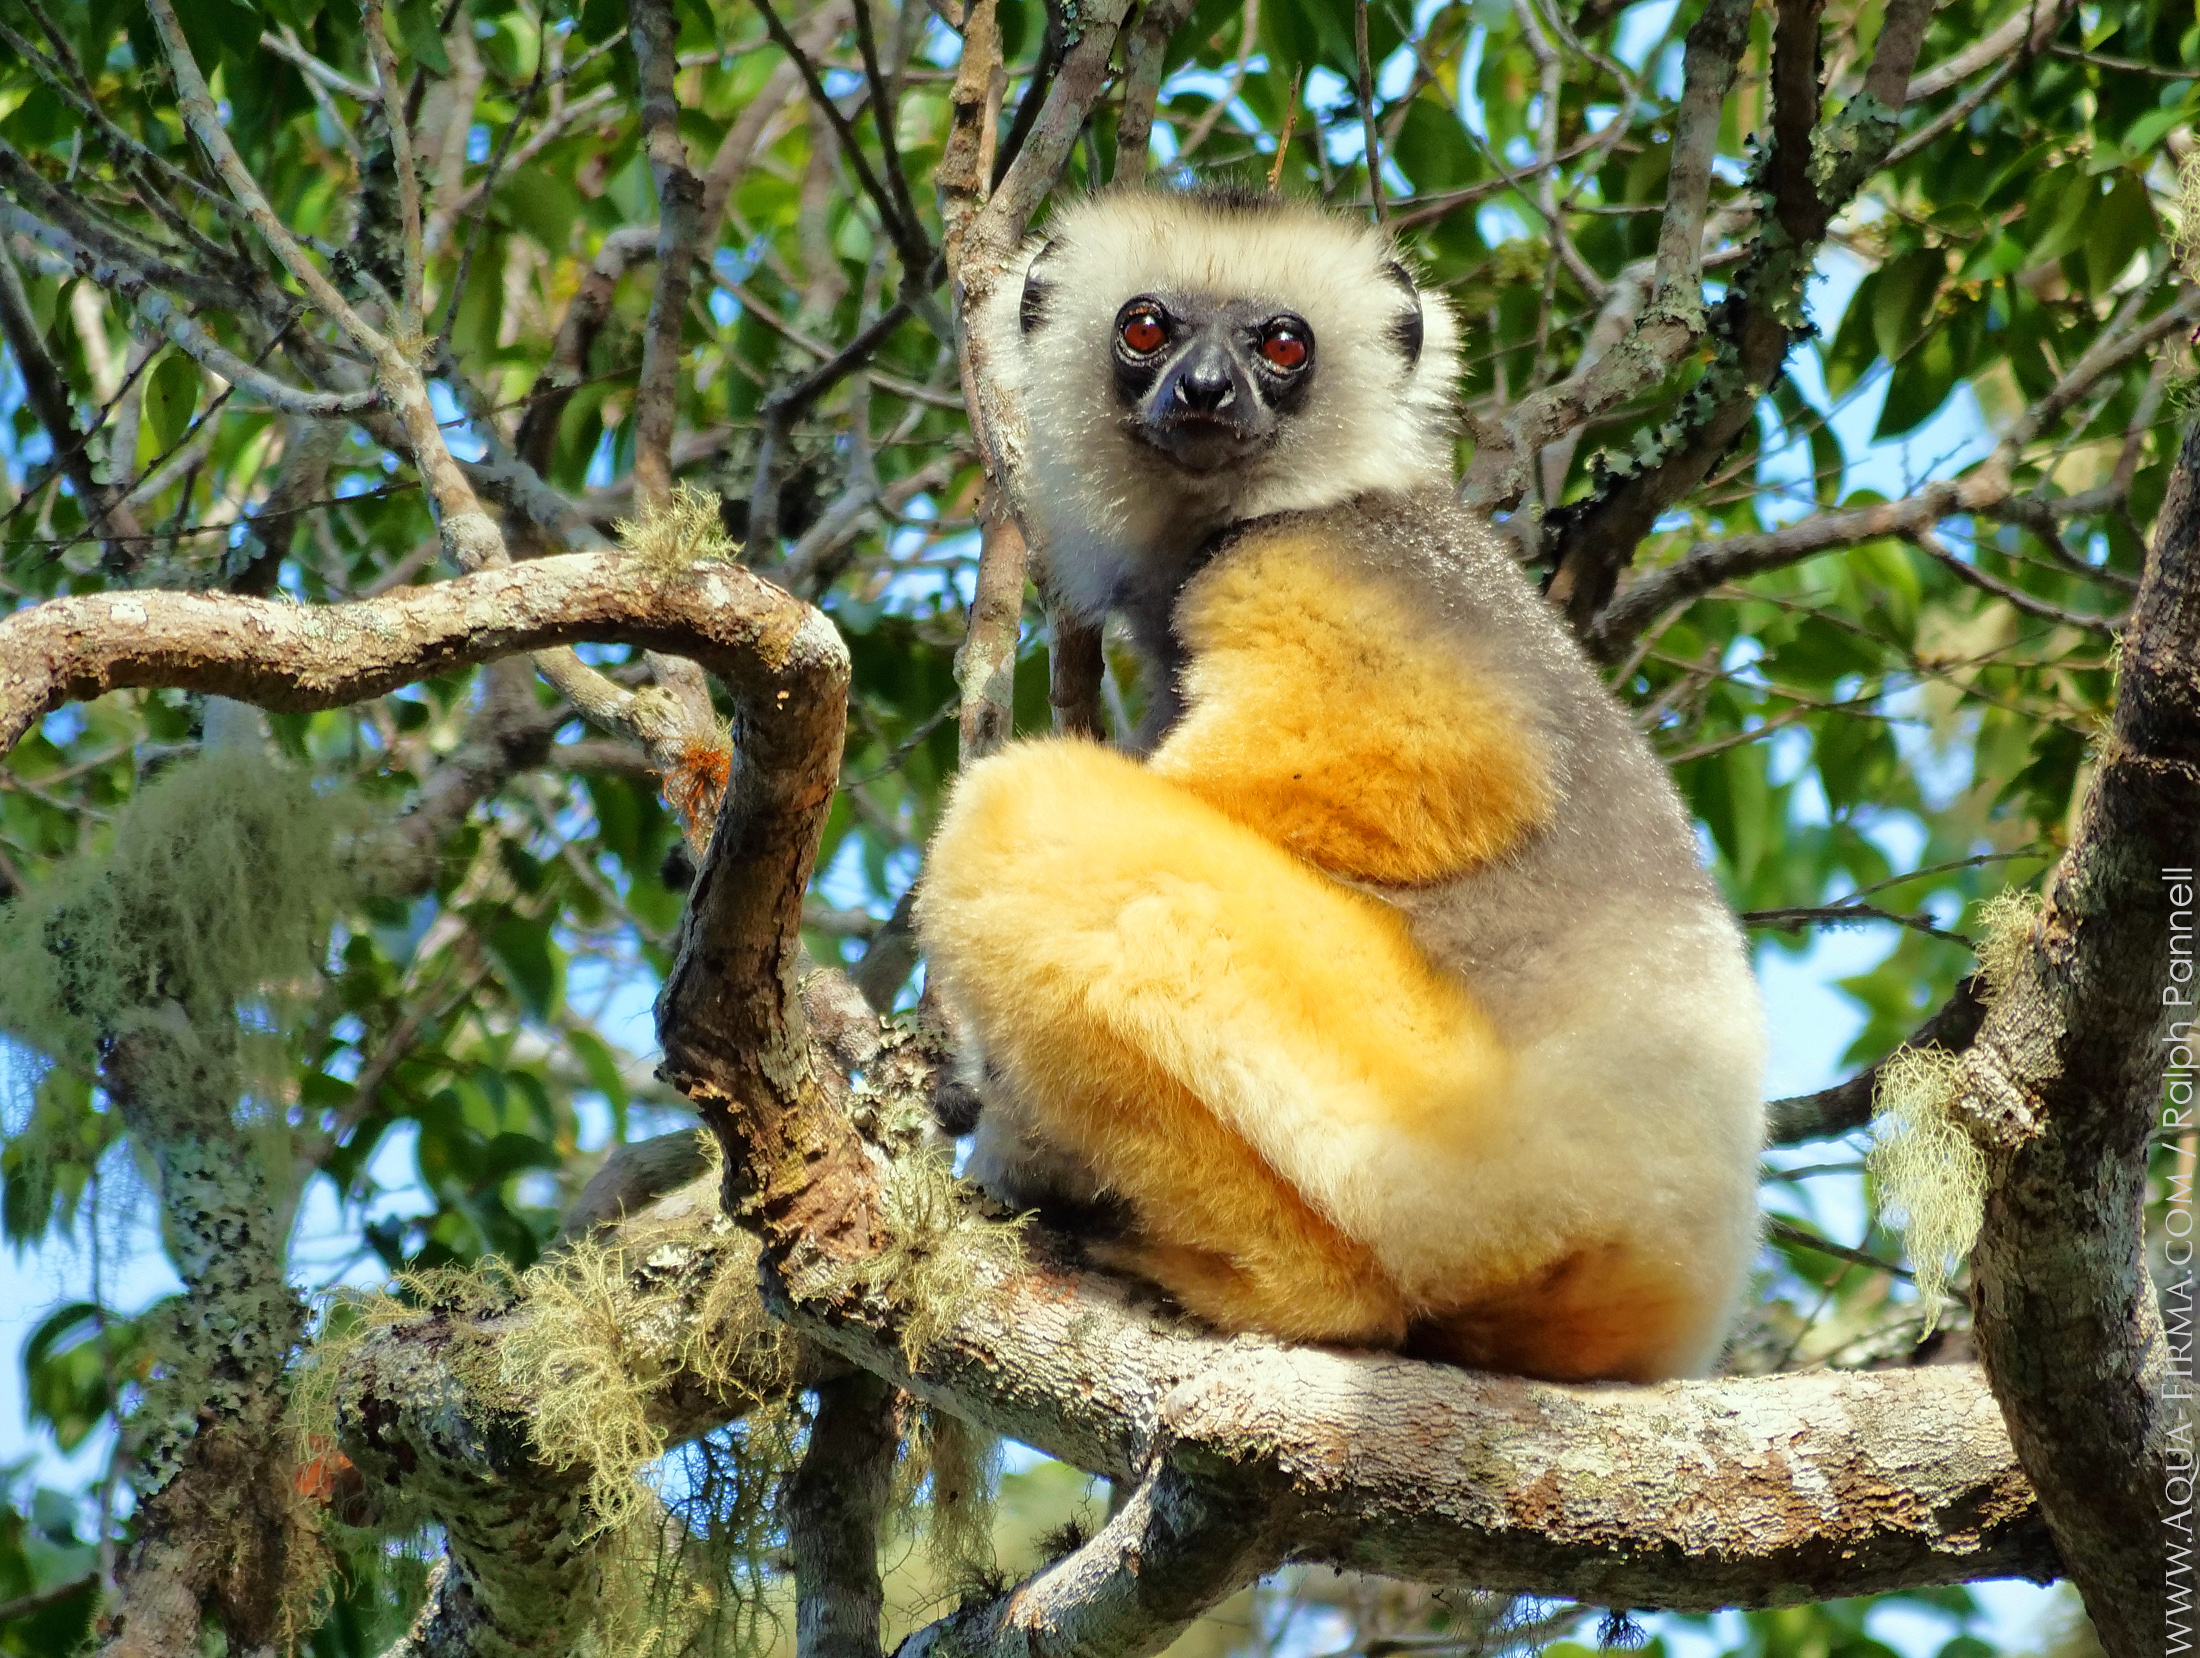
pixel 2179 1014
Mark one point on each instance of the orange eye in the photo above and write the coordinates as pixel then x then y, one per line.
pixel 1284 347
pixel 1143 333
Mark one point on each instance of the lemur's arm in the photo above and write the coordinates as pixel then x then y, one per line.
pixel 1319 718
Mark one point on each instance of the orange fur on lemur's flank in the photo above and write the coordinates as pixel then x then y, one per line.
pixel 1380 999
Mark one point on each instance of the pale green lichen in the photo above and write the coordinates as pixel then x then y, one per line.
pixel 684 531
pixel 190 943
pixel 2005 923
pixel 578 1347
pixel 937 1256
pixel 949 1471
pixel 173 964
pixel 1930 1176
pixel 2185 215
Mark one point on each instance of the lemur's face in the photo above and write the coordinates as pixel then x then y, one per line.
pixel 1209 382
pixel 1185 362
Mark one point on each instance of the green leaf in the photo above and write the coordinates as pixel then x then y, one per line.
pixel 2122 224
pixel 416 26
pixel 523 949
pixel 2144 134
pixel 171 398
pixel 1921 383
pixel 542 204
pixel 1904 298
pixel 72 1363
pixel 1855 757
pixel 1431 149
pixel 603 1070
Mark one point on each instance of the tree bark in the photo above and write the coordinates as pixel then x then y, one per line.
pixel 2062 1090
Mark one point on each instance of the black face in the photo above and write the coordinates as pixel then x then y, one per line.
pixel 1208 383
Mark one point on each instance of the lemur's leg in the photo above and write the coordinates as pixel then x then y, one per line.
pixel 1251 1054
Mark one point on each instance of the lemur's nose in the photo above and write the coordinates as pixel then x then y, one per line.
pixel 1204 385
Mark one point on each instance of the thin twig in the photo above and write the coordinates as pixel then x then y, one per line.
pixel 1367 114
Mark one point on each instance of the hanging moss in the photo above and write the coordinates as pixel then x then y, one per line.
pixel 200 930
pixel 2185 239
pixel 949 1472
pixel 578 1345
pixel 1931 1177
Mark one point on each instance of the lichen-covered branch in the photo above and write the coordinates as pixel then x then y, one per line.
pixel 654 34
pixel 213 1527
pixel 1809 172
pixel 441 1424
pixel 1671 320
pixel 2063 1089
pixel 298 657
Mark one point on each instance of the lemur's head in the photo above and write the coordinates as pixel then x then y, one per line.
pixel 1188 361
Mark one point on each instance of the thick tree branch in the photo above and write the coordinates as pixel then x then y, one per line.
pixel 1038 162
pixel 836 1509
pixel 2063 1089
pixel 299 657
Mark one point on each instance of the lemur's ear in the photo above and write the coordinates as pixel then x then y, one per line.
pixel 1407 332
pixel 1032 309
